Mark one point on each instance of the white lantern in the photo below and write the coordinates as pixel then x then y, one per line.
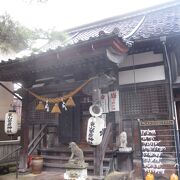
pixel 95 130
pixel 11 123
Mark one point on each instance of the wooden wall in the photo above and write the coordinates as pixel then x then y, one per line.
pixel 143 93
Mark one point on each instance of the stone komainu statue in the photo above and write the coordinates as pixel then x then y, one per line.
pixel 77 156
pixel 123 140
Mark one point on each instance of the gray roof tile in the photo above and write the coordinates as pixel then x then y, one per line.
pixel 158 22
pixel 165 21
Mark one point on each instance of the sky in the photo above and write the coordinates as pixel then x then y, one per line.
pixel 64 14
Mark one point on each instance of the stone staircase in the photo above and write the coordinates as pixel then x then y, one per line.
pixel 56 157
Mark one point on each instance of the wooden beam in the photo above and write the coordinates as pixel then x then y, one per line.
pixel 54 88
pixel 31 67
pixel 57 62
pixel 10 91
pixel 141 66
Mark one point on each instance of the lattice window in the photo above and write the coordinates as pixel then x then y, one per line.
pixel 40 117
pixel 146 101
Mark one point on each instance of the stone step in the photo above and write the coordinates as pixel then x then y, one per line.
pixel 63 160
pixel 59 149
pixel 56 157
pixel 54 165
pixel 62 167
pixel 67 150
pixel 63 152
pixel 67 158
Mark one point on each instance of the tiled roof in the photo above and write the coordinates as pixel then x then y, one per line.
pixel 138 26
pixel 144 25
pixel 124 27
pixel 157 22
pixel 164 22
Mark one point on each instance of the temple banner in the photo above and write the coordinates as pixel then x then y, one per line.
pixel 113 101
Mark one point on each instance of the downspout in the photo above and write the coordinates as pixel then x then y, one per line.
pixel 163 40
pixel 173 110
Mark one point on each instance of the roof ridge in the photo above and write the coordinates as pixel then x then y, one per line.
pixel 123 17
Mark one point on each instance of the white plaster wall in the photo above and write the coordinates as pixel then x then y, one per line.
pixel 5 99
pixel 142 58
pixel 126 77
pixel 142 75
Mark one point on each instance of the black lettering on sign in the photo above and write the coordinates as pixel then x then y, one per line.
pixel 9 124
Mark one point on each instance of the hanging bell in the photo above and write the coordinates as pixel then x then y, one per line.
pixel 70 102
pixel 56 109
pixel 40 106
pixel 149 176
pixel 174 177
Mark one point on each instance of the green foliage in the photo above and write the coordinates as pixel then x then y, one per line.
pixel 50 35
pixel 16 37
pixel 13 36
pixel 56 35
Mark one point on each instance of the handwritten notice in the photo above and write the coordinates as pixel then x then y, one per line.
pixel 158 147
pixel 151 152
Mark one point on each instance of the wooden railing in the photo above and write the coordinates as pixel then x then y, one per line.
pixel 37 139
pixel 101 150
pixel 9 150
pixel 9 153
pixel 6 147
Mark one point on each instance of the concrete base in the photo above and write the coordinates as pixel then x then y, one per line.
pixel 75 174
pixel 125 149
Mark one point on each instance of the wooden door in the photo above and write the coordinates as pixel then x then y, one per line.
pixel 69 124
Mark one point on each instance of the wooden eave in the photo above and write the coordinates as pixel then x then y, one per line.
pixel 82 56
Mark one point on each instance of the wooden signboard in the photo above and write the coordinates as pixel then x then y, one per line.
pixel 158 147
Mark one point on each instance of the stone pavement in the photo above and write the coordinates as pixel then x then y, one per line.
pixel 42 176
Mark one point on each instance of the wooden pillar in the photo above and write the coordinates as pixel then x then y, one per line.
pixel 24 134
pixel 33 127
pixel 98 163
pixel 45 138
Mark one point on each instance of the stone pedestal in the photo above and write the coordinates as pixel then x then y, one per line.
pixel 125 149
pixel 75 172
pixel 124 158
